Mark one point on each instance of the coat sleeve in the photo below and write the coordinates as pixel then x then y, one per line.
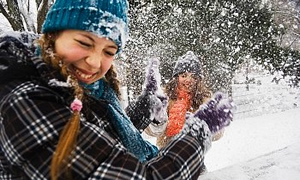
pixel 30 125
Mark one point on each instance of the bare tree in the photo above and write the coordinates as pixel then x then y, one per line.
pixel 43 7
pixel 287 14
pixel 10 11
pixel 25 15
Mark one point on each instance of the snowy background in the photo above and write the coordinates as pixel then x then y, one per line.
pixel 263 141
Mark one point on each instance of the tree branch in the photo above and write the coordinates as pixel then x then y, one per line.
pixel 43 8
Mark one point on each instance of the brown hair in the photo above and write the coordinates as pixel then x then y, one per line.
pixel 200 93
pixel 68 136
pixel 114 83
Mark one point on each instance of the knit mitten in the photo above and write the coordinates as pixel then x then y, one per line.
pixel 217 113
pixel 151 105
pixel 197 128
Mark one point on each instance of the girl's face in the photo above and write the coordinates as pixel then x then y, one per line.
pixel 88 56
pixel 187 81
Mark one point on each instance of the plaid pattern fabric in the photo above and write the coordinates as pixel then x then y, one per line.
pixel 32 114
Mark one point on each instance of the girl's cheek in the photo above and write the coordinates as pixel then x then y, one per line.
pixel 107 62
pixel 106 65
pixel 73 55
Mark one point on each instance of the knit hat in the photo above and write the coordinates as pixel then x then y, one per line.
pixel 105 18
pixel 187 63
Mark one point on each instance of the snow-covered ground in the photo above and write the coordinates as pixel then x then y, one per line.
pixel 262 148
pixel 246 139
pixel 282 164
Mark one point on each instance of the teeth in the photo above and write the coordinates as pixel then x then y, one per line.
pixel 84 76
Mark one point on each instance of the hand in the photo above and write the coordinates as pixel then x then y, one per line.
pixel 139 113
pixel 151 105
pixel 152 78
pixel 209 119
pixel 197 128
pixel 217 113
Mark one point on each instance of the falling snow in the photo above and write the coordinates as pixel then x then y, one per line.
pixel 235 42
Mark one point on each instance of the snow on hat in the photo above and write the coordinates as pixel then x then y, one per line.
pixel 187 63
pixel 106 18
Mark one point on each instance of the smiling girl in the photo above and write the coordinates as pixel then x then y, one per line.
pixel 186 91
pixel 60 116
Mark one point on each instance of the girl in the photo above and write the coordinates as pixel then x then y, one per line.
pixel 186 92
pixel 59 113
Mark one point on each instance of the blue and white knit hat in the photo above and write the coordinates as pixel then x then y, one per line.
pixel 105 18
pixel 189 62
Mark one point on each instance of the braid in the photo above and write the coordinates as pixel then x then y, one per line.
pixel 111 77
pixel 68 136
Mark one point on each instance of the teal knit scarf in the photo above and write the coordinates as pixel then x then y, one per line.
pixel 129 135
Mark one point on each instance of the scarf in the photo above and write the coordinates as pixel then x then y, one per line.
pixel 177 113
pixel 129 135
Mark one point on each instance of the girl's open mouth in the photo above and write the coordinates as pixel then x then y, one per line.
pixel 83 76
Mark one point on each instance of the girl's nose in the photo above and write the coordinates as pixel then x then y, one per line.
pixel 94 60
pixel 188 78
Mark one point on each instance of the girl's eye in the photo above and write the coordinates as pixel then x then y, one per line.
pixel 194 76
pixel 110 53
pixel 83 43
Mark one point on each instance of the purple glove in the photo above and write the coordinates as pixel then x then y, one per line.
pixel 217 113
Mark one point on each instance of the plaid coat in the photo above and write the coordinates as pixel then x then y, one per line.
pixel 34 107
